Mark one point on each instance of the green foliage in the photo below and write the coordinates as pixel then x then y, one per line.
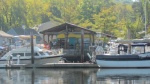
pixel 15 13
pixel 121 18
pixel 66 10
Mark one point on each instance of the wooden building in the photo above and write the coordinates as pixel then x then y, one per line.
pixel 74 40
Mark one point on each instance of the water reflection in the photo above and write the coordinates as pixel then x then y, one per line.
pixel 124 76
pixel 75 76
pixel 48 76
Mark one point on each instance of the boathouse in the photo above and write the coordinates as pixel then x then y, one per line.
pixel 73 39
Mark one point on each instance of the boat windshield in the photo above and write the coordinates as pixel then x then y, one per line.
pixel 41 53
pixel 29 54
pixel 15 54
pixel 138 49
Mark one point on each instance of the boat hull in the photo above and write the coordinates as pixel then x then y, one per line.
pixel 44 60
pixel 123 64
pixel 123 61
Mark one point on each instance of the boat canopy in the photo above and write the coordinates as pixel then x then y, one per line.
pixel 139 44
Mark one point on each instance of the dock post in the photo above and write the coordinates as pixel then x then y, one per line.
pixel 32 49
pixel 82 45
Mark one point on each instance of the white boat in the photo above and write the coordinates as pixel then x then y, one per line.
pixel 23 55
pixel 134 60
pixel 123 61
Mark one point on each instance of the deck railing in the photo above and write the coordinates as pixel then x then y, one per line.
pixel 74 52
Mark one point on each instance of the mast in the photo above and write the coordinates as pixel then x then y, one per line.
pixel 145 17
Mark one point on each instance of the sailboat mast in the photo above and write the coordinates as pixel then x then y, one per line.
pixel 145 17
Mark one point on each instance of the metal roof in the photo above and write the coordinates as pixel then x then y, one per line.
pixel 47 25
pixel 62 27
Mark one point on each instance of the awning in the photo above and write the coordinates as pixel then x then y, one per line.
pixel 72 36
pixel 3 34
pixel 133 41
pixel 24 36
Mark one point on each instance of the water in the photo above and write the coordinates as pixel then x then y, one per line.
pixel 74 76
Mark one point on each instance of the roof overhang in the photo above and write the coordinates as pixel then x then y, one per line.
pixel 62 27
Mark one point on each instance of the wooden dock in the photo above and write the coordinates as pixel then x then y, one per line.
pixel 51 65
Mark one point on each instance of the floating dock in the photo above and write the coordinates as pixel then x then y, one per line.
pixel 51 65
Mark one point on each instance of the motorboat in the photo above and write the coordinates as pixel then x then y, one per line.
pixel 139 57
pixel 123 61
pixel 23 55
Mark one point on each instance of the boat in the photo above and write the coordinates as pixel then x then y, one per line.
pixel 139 57
pixel 23 55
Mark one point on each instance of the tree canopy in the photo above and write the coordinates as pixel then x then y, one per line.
pixel 121 18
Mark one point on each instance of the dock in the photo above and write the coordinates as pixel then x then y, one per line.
pixel 50 65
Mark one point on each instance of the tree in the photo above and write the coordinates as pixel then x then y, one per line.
pixel 67 10
pixel 105 20
pixel 15 13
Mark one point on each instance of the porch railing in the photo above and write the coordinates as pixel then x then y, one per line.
pixel 74 52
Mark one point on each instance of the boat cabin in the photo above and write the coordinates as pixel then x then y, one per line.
pixel 138 48
pixel 135 48
pixel 25 52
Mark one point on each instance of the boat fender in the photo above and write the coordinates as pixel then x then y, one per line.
pixel 18 59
